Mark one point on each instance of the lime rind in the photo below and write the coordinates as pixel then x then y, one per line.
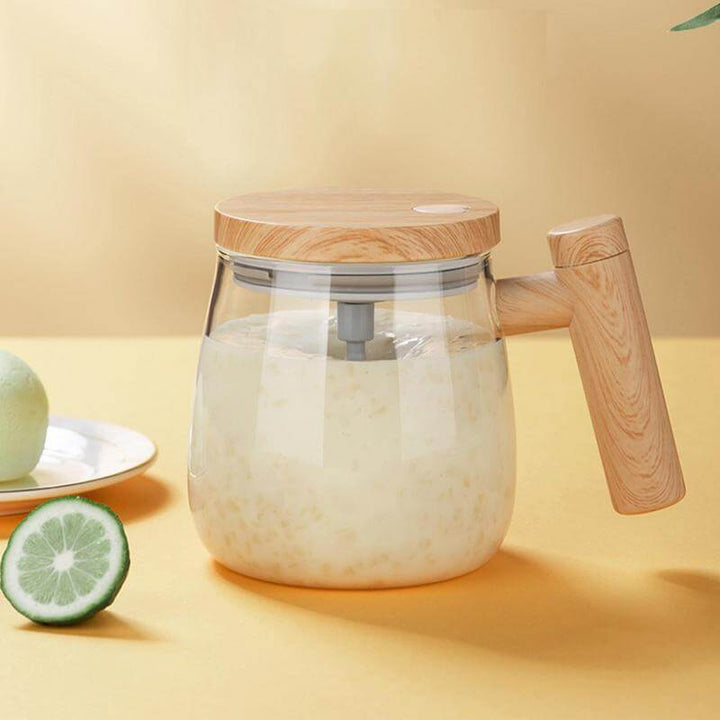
pixel 65 561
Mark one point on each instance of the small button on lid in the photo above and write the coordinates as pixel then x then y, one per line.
pixel 356 225
pixel 441 209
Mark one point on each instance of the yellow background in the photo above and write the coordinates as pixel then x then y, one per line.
pixel 584 614
pixel 122 123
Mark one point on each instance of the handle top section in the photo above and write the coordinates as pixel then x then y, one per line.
pixel 587 240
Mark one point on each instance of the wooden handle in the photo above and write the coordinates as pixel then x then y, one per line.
pixel 532 303
pixel 595 293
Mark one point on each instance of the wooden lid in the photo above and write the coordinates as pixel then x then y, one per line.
pixel 356 225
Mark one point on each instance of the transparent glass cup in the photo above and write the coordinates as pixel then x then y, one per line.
pixel 353 424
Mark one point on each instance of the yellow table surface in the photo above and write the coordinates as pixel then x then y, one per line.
pixel 582 614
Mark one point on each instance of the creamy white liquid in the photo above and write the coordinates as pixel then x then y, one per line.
pixel 311 470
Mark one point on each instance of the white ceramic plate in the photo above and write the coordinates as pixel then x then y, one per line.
pixel 79 455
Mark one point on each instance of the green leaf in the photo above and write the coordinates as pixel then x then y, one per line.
pixel 706 18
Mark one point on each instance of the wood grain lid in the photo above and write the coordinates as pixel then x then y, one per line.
pixel 356 225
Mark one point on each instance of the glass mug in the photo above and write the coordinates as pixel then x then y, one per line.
pixel 353 422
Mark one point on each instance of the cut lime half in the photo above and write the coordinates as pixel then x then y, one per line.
pixel 65 561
